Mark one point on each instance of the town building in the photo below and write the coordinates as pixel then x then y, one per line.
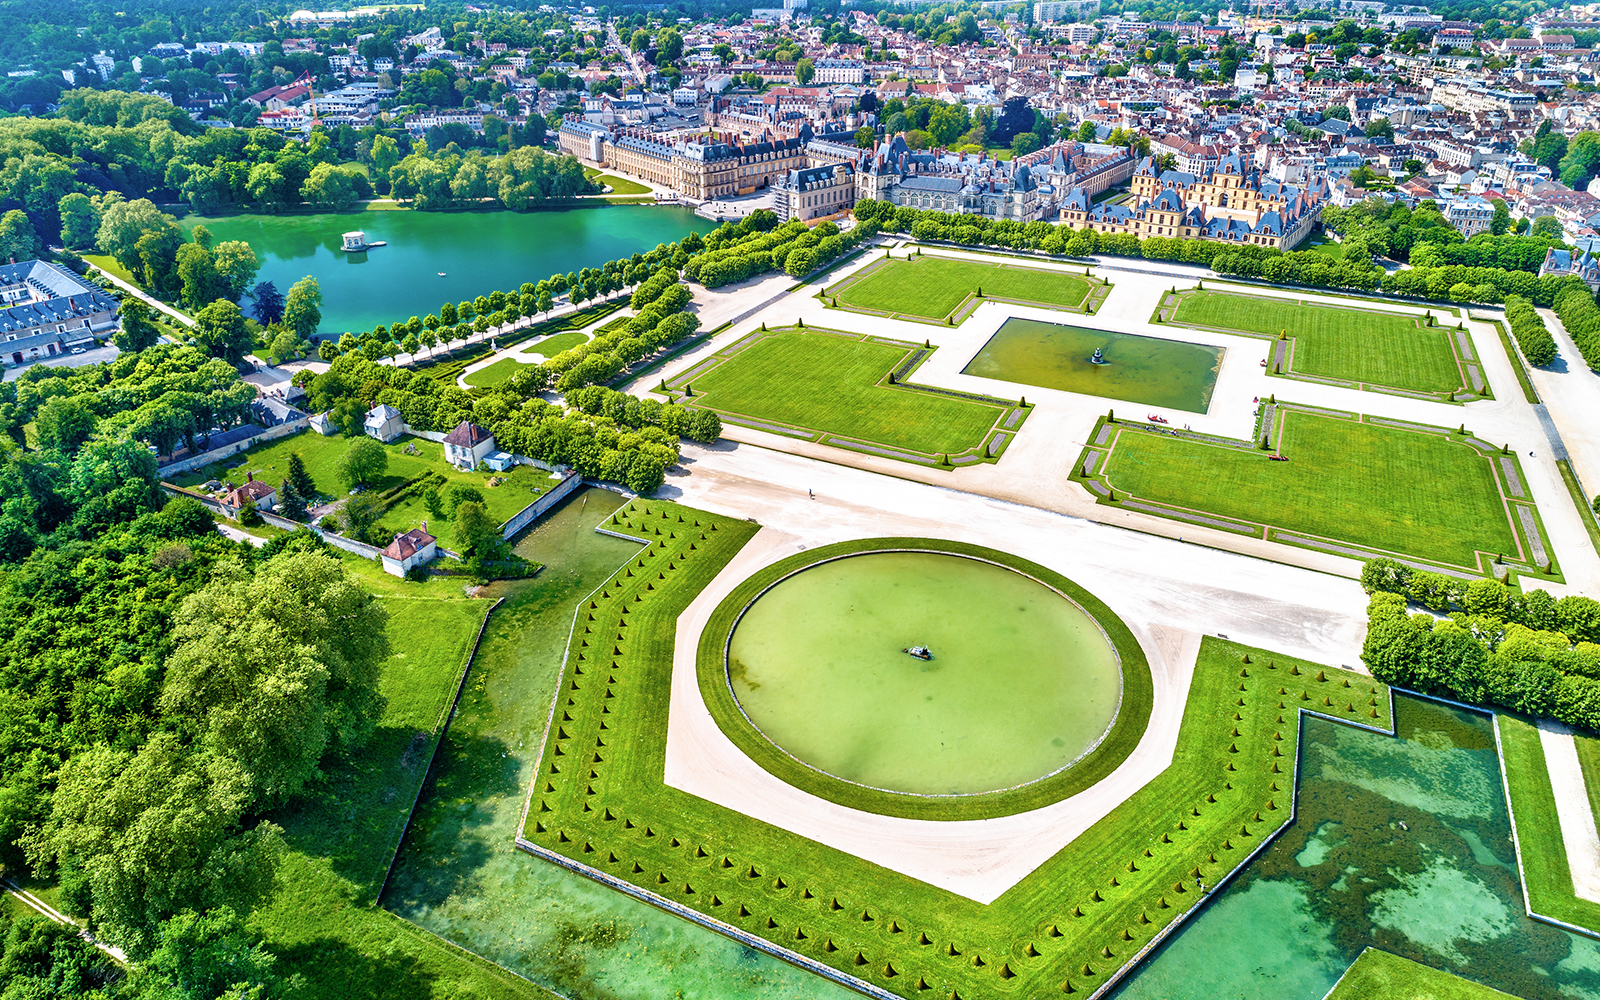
pixel 409 550
pixel 968 183
pixel 1470 215
pixel 46 311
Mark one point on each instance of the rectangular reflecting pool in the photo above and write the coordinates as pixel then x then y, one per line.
pixel 1149 370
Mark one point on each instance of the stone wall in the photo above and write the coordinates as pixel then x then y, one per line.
pixel 527 515
pixel 204 459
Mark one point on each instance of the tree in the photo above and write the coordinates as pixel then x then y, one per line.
pixel 282 346
pixel 138 837
pixel 330 187
pixel 137 331
pixel 236 265
pixel 1024 143
pixel 1379 128
pixel 301 479
pixel 669 45
pixel 219 329
pixel 865 137
pixel 804 72
pixel 302 310
pixel 198 272
pixel 1086 131
pixel 279 668
pixel 476 532
pixel 79 221
pixel 640 40
pixel 65 423
pixel 268 303
pixel 201 956
pixel 363 462
pixel 1547 225
pixel 18 241
pixel 360 514
pixel 1502 218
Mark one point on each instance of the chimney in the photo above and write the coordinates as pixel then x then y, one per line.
pixel 424 527
pixel 249 477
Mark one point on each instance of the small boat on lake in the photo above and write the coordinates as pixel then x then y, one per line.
pixel 920 652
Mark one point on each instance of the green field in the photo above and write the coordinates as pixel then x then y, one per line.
pixel 1533 806
pixel 933 288
pixel 495 373
pixel 270 462
pixel 1378 975
pixel 620 185
pixel 599 801
pixel 551 346
pixel 323 921
pixel 831 384
pixel 1380 487
pixel 1393 350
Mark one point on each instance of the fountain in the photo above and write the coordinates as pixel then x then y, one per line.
pixel 1098 359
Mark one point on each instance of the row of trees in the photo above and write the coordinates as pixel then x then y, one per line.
pixel 1533 337
pixel 520 180
pixel 1526 652
pixel 1581 317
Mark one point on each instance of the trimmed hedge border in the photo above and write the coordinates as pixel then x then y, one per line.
pixel 1132 720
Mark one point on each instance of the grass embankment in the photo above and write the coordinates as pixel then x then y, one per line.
pixel 518 487
pixel 936 288
pixel 620 185
pixel 826 383
pixel 1378 975
pixel 323 921
pixel 1545 871
pixel 599 800
pixel 1366 346
pixel 1382 488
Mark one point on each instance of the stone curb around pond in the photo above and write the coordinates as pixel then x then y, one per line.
pixel 1120 739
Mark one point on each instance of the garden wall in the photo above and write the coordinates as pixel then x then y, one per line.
pixel 204 459
pixel 527 515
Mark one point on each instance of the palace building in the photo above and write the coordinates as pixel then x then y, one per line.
pixel 699 170
pixel 46 311
pixel 1229 202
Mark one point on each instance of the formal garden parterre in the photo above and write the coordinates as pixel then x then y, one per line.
pixel 598 805
pixel 946 290
pixel 850 391
pixel 1337 482
pixel 1399 353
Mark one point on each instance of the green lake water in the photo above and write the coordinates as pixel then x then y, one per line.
pixel 1148 370
pixel 479 252
pixel 458 874
pixel 1399 843
pixel 1022 681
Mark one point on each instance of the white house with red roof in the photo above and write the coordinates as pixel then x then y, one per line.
pixel 413 548
pixel 467 445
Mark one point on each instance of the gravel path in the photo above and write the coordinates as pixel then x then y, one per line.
pixel 1572 809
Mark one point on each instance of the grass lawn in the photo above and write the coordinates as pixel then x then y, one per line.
pixel 1381 487
pixel 495 373
pixel 551 346
pixel 1378 975
pixel 830 383
pixel 621 185
pixel 1360 345
pixel 934 287
pixel 321 455
pixel 1533 804
pixel 111 266
pixel 1327 249
pixel 323 922
pixel 1084 913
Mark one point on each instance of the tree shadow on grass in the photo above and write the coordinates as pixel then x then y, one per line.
pixel 451 834
pixel 329 967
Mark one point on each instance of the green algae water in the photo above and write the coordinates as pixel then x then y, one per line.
pixel 458 874
pixel 1399 843
pixel 479 252
pixel 1021 684
pixel 1149 370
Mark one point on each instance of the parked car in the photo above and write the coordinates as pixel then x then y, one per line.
pixel 79 350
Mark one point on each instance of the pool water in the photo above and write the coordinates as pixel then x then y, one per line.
pixel 1147 370
pixel 1399 843
pixel 1022 681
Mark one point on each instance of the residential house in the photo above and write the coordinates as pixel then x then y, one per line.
pixel 253 489
pixel 411 549
pixel 384 422
pixel 467 445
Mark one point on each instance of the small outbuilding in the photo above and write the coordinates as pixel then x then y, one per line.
pixel 499 461
pixel 323 424
pixel 414 548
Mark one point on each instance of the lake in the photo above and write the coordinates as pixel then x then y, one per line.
pixel 479 252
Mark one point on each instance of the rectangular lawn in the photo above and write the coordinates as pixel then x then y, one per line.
pixel 321 455
pixel 829 384
pixel 932 287
pixel 1381 487
pixel 1360 345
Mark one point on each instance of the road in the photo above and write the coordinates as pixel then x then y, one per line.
pixel 149 300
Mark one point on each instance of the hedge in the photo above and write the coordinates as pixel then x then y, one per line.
pixel 1529 329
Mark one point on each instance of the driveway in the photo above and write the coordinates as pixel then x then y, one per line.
pixel 90 357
